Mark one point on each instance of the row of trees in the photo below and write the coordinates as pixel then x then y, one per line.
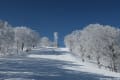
pixel 13 40
pixel 97 43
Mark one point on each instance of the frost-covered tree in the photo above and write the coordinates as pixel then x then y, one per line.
pixel 16 38
pixel 45 42
pixel 99 43
pixel 6 37
pixel 25 38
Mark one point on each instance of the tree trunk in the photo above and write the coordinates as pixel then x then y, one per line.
pixel 22 46
pixel 113 56
pixel 98 61
pixel 17 47
pixel 114 67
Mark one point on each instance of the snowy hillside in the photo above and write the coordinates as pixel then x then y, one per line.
pixel 51 64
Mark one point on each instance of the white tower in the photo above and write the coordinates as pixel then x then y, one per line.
pixel 55 39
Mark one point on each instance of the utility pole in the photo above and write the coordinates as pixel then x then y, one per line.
pixel 55 39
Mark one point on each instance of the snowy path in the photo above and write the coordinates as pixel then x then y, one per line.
pixel 44 64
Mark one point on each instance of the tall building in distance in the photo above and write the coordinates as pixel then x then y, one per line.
pixel 55 39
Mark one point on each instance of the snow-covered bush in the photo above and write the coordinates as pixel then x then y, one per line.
pixel 97 43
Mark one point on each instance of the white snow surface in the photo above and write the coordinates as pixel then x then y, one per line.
pixel 51 64
pixel 77 64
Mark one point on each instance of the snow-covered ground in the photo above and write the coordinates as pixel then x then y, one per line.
pixel 51 64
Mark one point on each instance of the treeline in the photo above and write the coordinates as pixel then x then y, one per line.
pixel 96 43
pixel 15 40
